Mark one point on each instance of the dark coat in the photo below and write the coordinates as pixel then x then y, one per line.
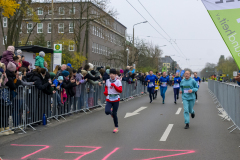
pixel 88 76
pixel 69 87
pixel 7 57
pixel 39 81
pixel 106 76
pixel 10 83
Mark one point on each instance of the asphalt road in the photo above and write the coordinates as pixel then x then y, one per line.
pixel 90 137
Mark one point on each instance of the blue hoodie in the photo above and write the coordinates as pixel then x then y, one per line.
pixel 186 85
pixel 152 79
pixel 177 81
pixel 164 81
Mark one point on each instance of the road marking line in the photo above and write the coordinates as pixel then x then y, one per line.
pixel 166 133
pixel 179 111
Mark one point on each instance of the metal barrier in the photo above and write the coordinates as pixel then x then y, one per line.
pixel 226 97
pixel 26 106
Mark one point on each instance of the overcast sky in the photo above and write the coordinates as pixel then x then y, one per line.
pixel 187 21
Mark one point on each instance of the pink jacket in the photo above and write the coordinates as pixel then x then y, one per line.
pixel 7 57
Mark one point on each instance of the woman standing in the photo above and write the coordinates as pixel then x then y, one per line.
pixel 113 89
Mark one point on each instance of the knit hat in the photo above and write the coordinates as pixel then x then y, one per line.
pixel 42 54
pixel 69 65
pixel 65 73
pixel 19 52
pixel 98 68
pixel 60 78
pixel 11 49
pixel 25 63
pixel 91 65
pixel 93 72
pixel 108 71
pixel 11 67
pixel 113 71
pixel 121 71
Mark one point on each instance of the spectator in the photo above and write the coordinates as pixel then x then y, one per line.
pixel 40 60
pixel 106 75
pixel 79 98
pixel 57 68
pixel 68 83
pixel 8 56
pixel 38 78
pixel 59 73
pixel 23 58
pixel 69 65
pixel 11 68
pixel 89 75
pixel 46 65
pixel 19 52
pixel 24 80
pixel 3 79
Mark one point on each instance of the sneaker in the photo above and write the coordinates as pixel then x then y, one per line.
pixel 187 126
pixel 182 102
pixel 196 101
pixel 177 97
pixel 150 101
pixel 192 115
pixel 175 102
pixel 115 130
pixel 163 102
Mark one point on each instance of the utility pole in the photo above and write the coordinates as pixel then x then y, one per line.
pixel 52 44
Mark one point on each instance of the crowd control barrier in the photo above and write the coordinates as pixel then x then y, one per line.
pixel 226 97
pixel 27 106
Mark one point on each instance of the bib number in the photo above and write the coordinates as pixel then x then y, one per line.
pixel 113 97
pixel 176 85
pixel 151 84
pixel 186 90
pixel 164 84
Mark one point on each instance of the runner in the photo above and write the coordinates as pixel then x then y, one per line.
pixel 188 87
pixel 163 85
pixel 156 88
pixel 151 84
pixel 112 90
pixel 176 87
pixel 198 82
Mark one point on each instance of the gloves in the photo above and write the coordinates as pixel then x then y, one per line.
pixel 112 84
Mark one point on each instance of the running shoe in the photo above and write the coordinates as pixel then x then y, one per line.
pixel 187 126
pixel 175 102
pixel 150 101
pixel 192 115
pixel 182 102
pixel 163 102
pixel 197 101
pixel 115 130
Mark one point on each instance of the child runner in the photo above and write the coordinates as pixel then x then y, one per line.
pixel 176 87
pixel 163 85
pixel 151 84
pixel 188 88
pixel 112 90
pixel 198 80
pixel 156 89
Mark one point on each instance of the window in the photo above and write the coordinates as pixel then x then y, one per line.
pixel 4 21
pixel 39 28
pixel 93 30
pixel 61 11
pixel 40 11
pixel 5 40
pixel 29 43
pixel 19 43
pixel 71 27
pixel 97 32
pixel 29 27
pixel 97 49
pixel 50 11
pixel 61 28
pixel 72 10
pixel 48 44
pixel 29 11
pixel 71 46
pixel 49 28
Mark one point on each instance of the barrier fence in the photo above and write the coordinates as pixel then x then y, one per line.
pixel 27 105
pixel 226 97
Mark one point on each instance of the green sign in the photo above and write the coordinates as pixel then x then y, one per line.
pixel 164 69
pixel 226 16
pixel 57 56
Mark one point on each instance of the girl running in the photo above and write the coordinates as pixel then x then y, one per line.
pixel 176 87
pixel 163 85
pixel 112 90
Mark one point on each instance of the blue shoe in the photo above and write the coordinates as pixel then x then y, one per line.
pixel 163 102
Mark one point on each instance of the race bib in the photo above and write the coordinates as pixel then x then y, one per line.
pixel 113 97
pixel 186 90
pixel 151 84
pixel 176 85
pixel 164 84
pixel 198 83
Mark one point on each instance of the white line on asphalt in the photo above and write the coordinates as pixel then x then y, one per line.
pixel 166 133
pixel 179 111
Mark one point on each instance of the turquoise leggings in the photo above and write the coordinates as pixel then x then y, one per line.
pixel 163 91
pixel 188 108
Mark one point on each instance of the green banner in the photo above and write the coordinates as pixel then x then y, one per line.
pixel 164 69
pixel 226 16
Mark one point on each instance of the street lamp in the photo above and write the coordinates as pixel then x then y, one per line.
pixel 127 55
pixel 133 29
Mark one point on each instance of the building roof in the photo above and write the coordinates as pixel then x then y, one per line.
pixel 35 49
pixel 167 59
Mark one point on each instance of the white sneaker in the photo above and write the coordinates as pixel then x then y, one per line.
pixel 197 101
pixel 182 102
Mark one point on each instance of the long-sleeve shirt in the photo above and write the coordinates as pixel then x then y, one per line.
pixel 177 81
pixel 113 90
pixel 198 80
pixel 163 81
pixel 185 86
pixel 152 79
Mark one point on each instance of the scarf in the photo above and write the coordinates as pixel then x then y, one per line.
pixel 112 81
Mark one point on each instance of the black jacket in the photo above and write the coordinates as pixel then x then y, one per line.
pixel 69 87
pixel 106 76
pixel 88 76
pixel 10 83
pixel 39 81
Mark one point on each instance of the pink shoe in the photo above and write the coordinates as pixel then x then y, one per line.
pixel 115 130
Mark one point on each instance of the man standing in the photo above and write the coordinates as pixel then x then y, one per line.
pixel 188 87
pixel 198 80
pixel 151 84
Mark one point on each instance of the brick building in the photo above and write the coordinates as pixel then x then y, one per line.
pixel 84 26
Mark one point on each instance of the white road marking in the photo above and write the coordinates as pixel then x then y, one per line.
pixel 135 112
pixel 166 133
pixel 179 111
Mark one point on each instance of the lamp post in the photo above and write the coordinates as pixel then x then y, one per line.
pixel 127 55
pixel 133 29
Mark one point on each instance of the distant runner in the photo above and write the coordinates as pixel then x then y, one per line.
pixel 176 87
pixel 163 85
pixel 151 84
pixel 188 87
pixel 198 80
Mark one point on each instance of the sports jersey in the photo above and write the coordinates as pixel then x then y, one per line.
pixel 112 90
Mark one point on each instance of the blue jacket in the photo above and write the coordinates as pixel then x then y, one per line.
pixel 187 85
pixel 198 80
pixel 163 79
pixel 177 80
pixel 152 79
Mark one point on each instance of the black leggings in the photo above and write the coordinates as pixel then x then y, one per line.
pixel 196 94
pixel 108 107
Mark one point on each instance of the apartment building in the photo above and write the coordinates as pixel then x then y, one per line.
pixel 75 24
